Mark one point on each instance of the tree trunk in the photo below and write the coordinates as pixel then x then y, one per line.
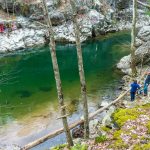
pixel 7 8
pixel 57 75
pixel 81 71
pixel 144 4
pixel 133 36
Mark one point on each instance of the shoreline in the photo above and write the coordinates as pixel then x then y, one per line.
pixel 103 135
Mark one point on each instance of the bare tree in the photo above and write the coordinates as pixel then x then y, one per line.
pixel 57 75
pixel 133 39
pixel 81 69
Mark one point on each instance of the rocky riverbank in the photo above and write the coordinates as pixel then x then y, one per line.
pixel 142 52
pixel 126 125
pixel 94 20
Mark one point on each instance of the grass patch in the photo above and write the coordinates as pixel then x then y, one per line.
pixel 100 139
pixel 80 147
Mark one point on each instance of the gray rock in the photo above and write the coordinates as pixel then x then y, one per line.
pixel 9 147
pixel 20 39
pixel 95 18
pixel 104 103
pixel 144 34
pixel 107 121
pixel 93 123
pixel 142 53
pixel 57 18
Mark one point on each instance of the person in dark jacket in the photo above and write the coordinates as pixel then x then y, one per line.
pixel 146 84
pixel 134 87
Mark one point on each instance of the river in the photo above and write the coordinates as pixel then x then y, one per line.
pixel 28 98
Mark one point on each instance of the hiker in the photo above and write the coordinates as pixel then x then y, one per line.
pixel 146 84
pixel 1 28
pixel 134 87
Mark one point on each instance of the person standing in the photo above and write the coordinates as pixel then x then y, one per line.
pixel 146 84
pixel 13 26
pixel 1 28
pixel 134 87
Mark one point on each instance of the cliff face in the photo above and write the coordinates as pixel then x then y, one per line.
pixel 95 17
pixel 142 52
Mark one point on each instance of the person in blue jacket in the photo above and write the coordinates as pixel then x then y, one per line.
pixel 134 87
pixel 146 84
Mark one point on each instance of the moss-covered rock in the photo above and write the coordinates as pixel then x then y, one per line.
pixel 142 147
pixel 100 139
pixel 123 115
pixel 79 147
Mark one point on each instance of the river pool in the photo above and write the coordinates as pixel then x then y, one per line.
pixel 28 98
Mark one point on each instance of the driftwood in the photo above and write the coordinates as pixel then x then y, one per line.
pixel 91 116
pixel 143 4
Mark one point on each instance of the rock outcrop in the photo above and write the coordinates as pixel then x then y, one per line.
pixel 20 39
pixel 142 53
pixel 95 18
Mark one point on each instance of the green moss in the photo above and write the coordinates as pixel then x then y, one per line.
pixel 59 147
pixel 122 115
pixel 134 136
pixel 148 127
pixel 146 105
pixel 118 144
pixel 75 147
pixel 100 139
pixel 79 147
pixel 137 147
pixel 104 128
pixel 146 147
pixel 142 147
pixel 117 134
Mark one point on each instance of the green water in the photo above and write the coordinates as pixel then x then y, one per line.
pixel 27 84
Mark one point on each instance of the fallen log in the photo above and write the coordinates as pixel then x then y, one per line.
pixel 73 125
pixel 143 4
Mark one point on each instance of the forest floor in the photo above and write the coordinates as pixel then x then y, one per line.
pixel 132 131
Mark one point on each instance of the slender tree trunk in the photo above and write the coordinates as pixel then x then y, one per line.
pixel 7 8
pixel 57 75
pixel 81 71
pixel 133 36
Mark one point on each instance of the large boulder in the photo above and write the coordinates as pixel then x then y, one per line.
pixel 95 17
pixel 142 53
pixel 144 34
pixel 20 39
pixel 57 18
pixel 65 32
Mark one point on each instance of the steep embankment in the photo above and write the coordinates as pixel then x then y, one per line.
pixel 131 130
pixel 128 127
pixel 142 52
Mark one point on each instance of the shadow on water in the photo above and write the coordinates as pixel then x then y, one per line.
pixel 45 89
pixel 24 94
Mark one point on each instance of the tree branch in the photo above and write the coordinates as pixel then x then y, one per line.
pixel 143 4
